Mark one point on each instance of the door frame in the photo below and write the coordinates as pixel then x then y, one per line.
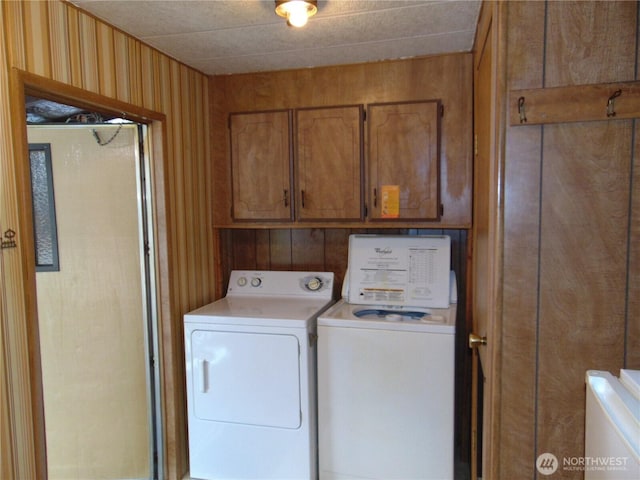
pixel 487 320
pixel 25 393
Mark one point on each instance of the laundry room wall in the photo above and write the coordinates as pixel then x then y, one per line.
pixel 567 242
pixel 284 246
pixel 60 49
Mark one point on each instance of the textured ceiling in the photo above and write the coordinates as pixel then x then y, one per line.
pixel 239 36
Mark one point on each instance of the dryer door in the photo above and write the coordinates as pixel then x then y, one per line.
pixel 246 378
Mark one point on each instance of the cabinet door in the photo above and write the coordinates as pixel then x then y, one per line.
pixel 404 160
pixel 329 163
pixel 261 165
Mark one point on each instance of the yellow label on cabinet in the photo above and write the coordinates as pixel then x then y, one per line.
pixel 390 204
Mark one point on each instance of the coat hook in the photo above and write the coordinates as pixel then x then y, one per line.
pixel 523 115
pixel 611 103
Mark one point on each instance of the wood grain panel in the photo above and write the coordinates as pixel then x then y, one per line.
pixel 632 334
pixel 583 257
pixel 59 43
pixel 14 33
pixel 37 33
pixel 280 249
pixel 584 220
pixel 525 37
pixel 88 42
pixel 106 67
pixel 121 66
pixel 590 42
pixel 307 249
pixel 135 74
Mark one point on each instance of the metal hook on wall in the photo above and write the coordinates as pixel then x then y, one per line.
pixel 523 115
pixel 611 103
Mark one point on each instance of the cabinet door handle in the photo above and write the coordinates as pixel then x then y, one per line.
pixel 302 197
pixel 286 197
pixel 375 197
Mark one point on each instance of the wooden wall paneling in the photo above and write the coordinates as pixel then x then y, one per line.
pixel 189 182
pixel 14 33
pixel 147 74
pixel 589 42
pixel 37 33
pixel 525 38
pixel 280 249
pixel 106 67
pixel 336 253
pixel 307 248
pixel 632 326
pixel 582 272
pixel 6 446
pixel 135 73
pixel 89 54
pixel 584 216
pixel 74 43
pixel 244 250
pixel 121 67
pixel 58 39
pixel 178 187
pixel 16 422
pixel 263 260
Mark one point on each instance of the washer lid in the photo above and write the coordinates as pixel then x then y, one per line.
pixel 293 312
pixel 348 315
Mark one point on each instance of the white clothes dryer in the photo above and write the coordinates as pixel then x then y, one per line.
pixel 250 368
pixel 386 368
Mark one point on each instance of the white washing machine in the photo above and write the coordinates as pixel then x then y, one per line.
pixel 386 367
pixel 250 367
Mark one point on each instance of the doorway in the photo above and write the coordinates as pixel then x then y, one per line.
pixel 96 306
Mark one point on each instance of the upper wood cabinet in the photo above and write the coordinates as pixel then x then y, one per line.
pixel 404 160
pixel 261 165
pixel 328 163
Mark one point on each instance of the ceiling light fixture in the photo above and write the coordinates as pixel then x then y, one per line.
pixel 297 12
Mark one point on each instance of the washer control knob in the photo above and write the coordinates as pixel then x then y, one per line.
pixel 242 281
pixel 314 284
pixel 256 281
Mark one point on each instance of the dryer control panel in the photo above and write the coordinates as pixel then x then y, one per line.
pixel 281 283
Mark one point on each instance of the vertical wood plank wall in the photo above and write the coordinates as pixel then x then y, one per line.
pixel 571 231
pixel 56 41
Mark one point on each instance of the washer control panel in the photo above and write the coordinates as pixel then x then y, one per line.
pixel 268 282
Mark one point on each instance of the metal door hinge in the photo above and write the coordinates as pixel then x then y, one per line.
pixel 313 339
